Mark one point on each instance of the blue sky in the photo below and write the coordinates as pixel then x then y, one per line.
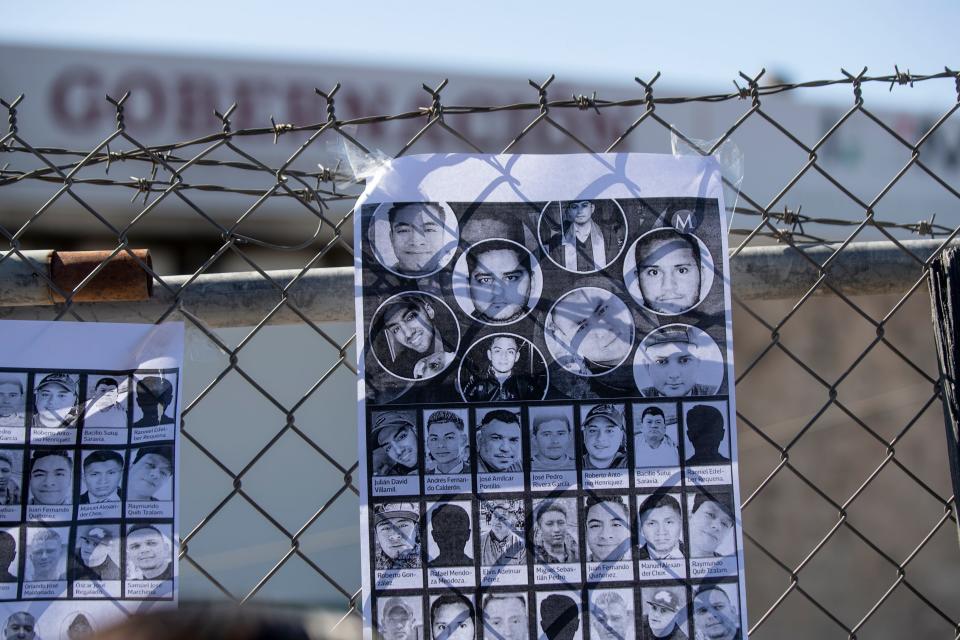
pixel 699 47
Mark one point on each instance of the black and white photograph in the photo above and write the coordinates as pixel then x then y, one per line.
pixel 604 459
pixel 414 336
pixel 106 405
pixel 447 442
pixel 707 443
pixel 559 615
pixel 664 613
pixel 582 236
pixel 45 570
pixel 19 623
pixel 553 457
pixel 400 618
pixel 50 484
pixel 453 616
pixel 154 407
pixel 396 452
pixel 678 360
pixel 556 540
pixel 656 451
pixel 11 474
pixel 96 556
pixel 397 545
pixel 589 331
pixel 449 532
pixel 611 614
pixel 503 552
pixel 102 476
pixel 413 239
pixel 503 367
pixel 711 521
pixel 9 562
pixel 716 612
pixel 78 625
pixel 149 487
pixel 505 616
pixel 149 560
pixel 668 272
pixel 13 403
pixel 56 401
pixel 497 282
pixel 660 522
pixel 499 449
pixel 607 526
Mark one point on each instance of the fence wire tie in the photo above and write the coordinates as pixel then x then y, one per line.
pixel 12 112
pixel 925 227
pixel 542 91
pixel 584 102
pixel 279 129
pixel 648 90
pixel 752 90
pixel 856 80
pixel 793 218
pixel 118 105
pixel 328 96
pixel 436 108
pixel 143 186
pixel 225 118
pixel 901 77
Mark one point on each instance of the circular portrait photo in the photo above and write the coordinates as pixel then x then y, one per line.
pixel 414 336
pixel 413 239
pixel 678 360
pixel 497 281
pixel 503 367
pixel 589 331
pixel 668 272
pixel 582 236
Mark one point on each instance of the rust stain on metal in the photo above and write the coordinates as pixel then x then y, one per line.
pixel 122 279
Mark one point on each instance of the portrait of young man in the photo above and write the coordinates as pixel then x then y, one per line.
pixel 581 244
pixel 672 365
pixel 611 615
pixel 56 402
pixel 397 535
pixel 452 617
pixel 668 271
pixel 705 431
pixel 102 472
pixel 105 408
pixel 664 613
pixel 45 552
pixel 553 520
pixel 505 616
pixel 94 553
pixel 397 447
pixel 408 338
pixel 652 445
pixel 8 552
pixel 154 398
pixel 502 544
pixel 552 441
pixel 504 372
pixel 589 331
pixel 498 442
pixel 499 281
pixel 450 531
pixel 398 620
pixel 604 438
pixel 149 554
pixel 51 477
pixel 661 523
pixel 9 487
pixel 419 238
pixel 715 616
pixel 12 401
pixel 559 617
pixel 608 528
pixel 448 446
pixel 150 474
pixel 711 523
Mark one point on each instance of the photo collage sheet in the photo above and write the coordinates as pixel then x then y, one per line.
pixel 88 459
pixel 547 424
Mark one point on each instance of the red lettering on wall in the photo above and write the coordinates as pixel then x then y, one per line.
pixel 76 99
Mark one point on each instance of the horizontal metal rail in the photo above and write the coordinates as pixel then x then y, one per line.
pixel 325 295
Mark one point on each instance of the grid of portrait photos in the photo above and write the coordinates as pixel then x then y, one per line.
pixel 87 489
pixel 548 423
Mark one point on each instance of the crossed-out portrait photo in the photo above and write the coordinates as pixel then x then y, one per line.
pixel 668 272
pixel 589 331
pixel 400 618
pixel 678 360
pixel 503 367
pixel 393 438
pixel 413 239
pixel 449 534
pixel 582 236
pixel 414 335
pixel 497 282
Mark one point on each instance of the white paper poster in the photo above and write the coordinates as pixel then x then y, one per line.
pixel 547 421
pixel 89 462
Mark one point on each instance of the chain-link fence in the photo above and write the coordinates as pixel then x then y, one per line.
pixel 848 510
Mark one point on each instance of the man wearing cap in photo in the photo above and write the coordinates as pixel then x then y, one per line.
pixel 12 401
pixel 711 523
pixel 397 620
pixel 672 364
pixel 92 556
pixel 501 545
pixel 397 527
pixel 149 553
pixel 581 244
pixel 652 446
pixel 154 397
pixel 604 438
pixel 553 543
pixel 56 401
pixel 715 617
pixel 396 438
pixel 705 430
pixel 105 409
pixel 663 613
